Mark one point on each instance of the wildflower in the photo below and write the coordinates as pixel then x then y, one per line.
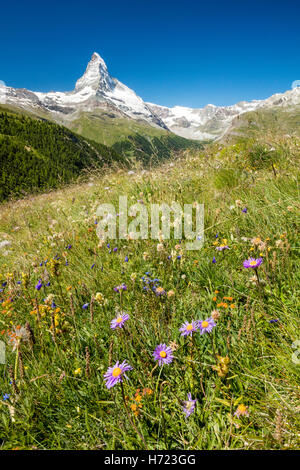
pixel 100 298
pixel 274 320
pixel 222 247
pixel 160 291
pixel 6 396
pixel 77 371
pixel 207 325
pixel 241 410
pixel 85 306
pixel 115 373
pixel 189 328
pixel 126 259
pixel 39 285
pixel 163 354
pixel 173 345
pixel 252 263
pixel 245 210
pixel 120 288
pixel 119 321
pixel 170 294
pixel 215 315
pixel 214 260
pixel 222 367
pixel 17 335
pixel 189 406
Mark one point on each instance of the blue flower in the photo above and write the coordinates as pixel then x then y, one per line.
pixel 245 210
pixel 93 265
pixel 85 306
pixel 126 259
pixel 39 284
pixel 214 260
pixel 6 396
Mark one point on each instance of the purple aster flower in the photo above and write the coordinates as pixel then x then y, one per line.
pixel 120 288
pixel 39 285
pixel 188 328
pixel 163 354
pixel 189 406
pixel 119 321
pixel 222 247
pixel 114 374
pixel 207 325
pixel 252 263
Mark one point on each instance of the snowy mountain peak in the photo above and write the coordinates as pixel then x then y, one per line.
pixel 96 76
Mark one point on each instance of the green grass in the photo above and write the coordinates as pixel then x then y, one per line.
pixel 62 401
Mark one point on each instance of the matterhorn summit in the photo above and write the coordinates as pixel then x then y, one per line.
pixel 96 76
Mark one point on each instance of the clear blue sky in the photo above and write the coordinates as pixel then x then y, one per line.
pixel 186 52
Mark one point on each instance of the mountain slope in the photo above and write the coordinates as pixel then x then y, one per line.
pixel 275 120
pixel 212 121
pixel 37 154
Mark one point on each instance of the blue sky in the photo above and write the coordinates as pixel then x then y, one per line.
pixel 186 53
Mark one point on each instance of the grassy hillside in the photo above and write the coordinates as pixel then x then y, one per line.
pixel 36 154
pixel 58 279
pixel 133 139
pixel 276 121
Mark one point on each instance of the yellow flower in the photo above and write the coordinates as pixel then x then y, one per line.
pixel 77 371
